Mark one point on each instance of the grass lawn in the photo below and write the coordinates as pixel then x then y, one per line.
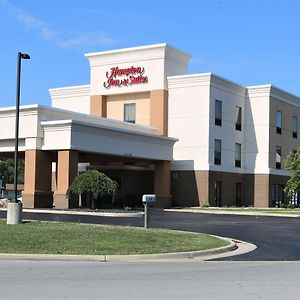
pixel 72 238
pixel 287 211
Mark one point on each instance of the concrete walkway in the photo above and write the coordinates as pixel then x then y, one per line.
pixel 82 212
pixel 141 213
pixel 226 212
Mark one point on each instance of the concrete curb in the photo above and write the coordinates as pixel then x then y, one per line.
pixel 205 254
pixel 240 213
pixel 141 214
pixel 82 213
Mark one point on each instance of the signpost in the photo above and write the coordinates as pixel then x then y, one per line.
pixel 147 199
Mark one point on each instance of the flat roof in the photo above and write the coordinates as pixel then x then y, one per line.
pixel 138 48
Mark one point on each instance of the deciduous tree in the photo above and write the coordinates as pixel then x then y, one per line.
pixel 7 170
pixel 293 165
pixel 94 183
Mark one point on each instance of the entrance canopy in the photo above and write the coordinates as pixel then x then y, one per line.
pixel 50 135
pixel 46 128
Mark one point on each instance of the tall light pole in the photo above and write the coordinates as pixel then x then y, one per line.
pixel 14 208
pixel 20 57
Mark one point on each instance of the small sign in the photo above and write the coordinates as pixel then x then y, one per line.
pixel 149 198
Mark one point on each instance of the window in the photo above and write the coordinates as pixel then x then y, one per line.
pixel 238 194
pixel 238 118
pixel 295 198
pixel 278 157
pixel 129 113
pixel 218 145
pixel 277 194
pixel 218 113
pixel 278 121
pixel 218 192
pixel 295 126
pixel 238 151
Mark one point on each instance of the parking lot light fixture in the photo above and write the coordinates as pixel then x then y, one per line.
pixel 20 57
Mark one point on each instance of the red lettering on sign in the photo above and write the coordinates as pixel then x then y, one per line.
pixel 130 76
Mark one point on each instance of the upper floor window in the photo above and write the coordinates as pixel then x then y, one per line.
pixel 238 155
pixel 295 126
pixel 278 157
pixel 129 112
pixel 218 154
pixel 218 113
pixel 278 121
pixel 238 118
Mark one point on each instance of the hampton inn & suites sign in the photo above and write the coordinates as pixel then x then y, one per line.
pixel 125 77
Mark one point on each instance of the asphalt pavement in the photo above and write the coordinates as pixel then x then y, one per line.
pixel 276 238
pixel 149 280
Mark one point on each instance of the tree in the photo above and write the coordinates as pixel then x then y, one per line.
pixel 7 170
pixel 293 165
pixel 94 183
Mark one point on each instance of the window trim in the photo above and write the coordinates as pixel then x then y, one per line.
pixel 238 162
pixel 124 116
pixel 217 160
pixel 278 128
pixel 218 119
pixel 278 154
pixel 295 133
pixel 238 125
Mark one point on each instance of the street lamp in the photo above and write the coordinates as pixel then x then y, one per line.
pixel 14 210
pixel 20 57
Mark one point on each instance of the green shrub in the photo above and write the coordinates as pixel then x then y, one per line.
pixel 93 182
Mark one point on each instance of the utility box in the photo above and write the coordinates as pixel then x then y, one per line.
pixel 148 198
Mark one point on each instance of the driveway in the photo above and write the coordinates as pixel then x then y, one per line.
pixel 276 238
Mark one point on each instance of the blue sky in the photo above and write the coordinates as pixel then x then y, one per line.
pixel 249 42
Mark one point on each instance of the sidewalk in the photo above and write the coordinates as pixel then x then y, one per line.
pixel 226 212
pixel 141 213
pixel 81 212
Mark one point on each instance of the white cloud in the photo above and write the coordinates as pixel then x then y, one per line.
pixel 128 17
pixel 49 34
pixel 90 39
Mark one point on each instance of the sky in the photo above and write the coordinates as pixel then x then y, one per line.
pixel 249 42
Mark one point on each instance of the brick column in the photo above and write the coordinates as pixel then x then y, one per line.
pixel 261 190
pixel 159 111
pixel 67 170
pixel 98 106
pixel 37 186
pixel 205 195
pixel 162 184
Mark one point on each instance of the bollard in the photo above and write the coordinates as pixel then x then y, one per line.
pixel 146 215
pixel 14 213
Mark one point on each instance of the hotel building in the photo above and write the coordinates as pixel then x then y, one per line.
pixel 192 139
